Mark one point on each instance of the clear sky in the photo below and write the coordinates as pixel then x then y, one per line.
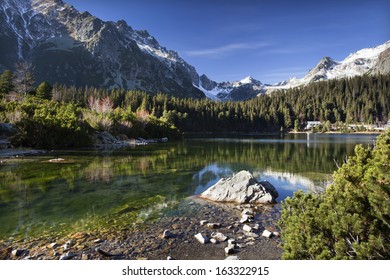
pixel 270 40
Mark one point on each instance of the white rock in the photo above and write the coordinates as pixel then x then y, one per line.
pixel 232 242
pixel 251 234
pixel 244 219
pixel 241 188
pixel 17 252
pixel 67 256
pixel 276 233
pixel 266 233
pixel 53 245
pixel 203 222
pixel 229 250
pixel 256 226
pixel 214 241
pixel 202 238
pixel 166 234
pixel 247 228
pixel 219 236
pixel 213 225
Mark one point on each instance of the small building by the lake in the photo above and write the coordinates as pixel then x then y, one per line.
pixel 312 124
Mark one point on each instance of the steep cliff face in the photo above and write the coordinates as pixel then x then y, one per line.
pixel 73 48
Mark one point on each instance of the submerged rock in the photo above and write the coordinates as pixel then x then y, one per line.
pixel 241 188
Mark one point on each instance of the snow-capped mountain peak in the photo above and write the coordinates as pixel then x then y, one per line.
pixel 356 64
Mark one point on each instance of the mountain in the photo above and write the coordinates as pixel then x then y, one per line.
pixel 366 61
pixel 239 90
pixel 69 47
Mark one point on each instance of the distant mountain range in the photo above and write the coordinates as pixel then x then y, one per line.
pixel 366 61
pixel 69 47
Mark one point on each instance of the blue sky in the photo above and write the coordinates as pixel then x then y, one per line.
pixel 269 40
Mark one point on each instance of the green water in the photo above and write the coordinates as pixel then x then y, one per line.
pixel 97 189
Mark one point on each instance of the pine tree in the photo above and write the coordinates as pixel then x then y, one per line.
pixel 44 91
pixel 351 220
pixel 6 82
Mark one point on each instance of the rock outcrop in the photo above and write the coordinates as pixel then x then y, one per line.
pixel 241 188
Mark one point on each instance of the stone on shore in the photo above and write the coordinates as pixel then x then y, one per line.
pixel 267 233
pixel 18 252
pixel 229 249
pixel 166 234
pixel 213 225
pixel 247 228
pixel 67 256
pixel 242 188
pixel 202 238
pixel 219 236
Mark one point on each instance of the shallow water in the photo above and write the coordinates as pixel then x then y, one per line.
pixel 93 189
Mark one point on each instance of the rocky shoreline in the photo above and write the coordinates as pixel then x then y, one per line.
pixel 170 237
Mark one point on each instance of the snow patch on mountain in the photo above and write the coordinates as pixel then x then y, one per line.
pixel 356 64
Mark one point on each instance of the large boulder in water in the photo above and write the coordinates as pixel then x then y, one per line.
pixel 241 188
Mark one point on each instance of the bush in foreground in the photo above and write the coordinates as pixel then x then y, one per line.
pixel 351 219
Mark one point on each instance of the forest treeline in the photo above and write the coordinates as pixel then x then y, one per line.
pixel 363 99
pixel 67 116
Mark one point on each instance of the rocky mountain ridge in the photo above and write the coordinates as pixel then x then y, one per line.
pixel 69 47
pixel 73 48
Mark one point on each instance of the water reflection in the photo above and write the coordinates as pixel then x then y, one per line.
pixel 36 195
pixel 286 183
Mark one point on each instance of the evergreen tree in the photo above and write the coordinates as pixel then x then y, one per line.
pixel 44 91
pixel 351 220
pixel 6 82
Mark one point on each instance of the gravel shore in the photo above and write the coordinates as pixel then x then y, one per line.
pixel 146 241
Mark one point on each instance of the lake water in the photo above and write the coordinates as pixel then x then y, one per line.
pixel 93 189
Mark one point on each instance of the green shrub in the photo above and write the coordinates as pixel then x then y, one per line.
pixel 351 219
pixel 52 125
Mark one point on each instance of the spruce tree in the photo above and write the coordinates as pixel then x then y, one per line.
pixel 44 91
pixel 6 82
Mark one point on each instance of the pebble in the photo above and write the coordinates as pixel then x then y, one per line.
pixel 250 243
pixel 214 241
pixel 256 226
pixel 166 234
pixel 67 256
pixel 232 242
pixel 202 238
pixel 53 245
pixel 247 228
pixel 213 225
pixel 276 234
pixel 18 252
pixel 244 219
pixel 229 250
pixel 219 236
pixel 251 234
pixel 97 241
pixel 267 233
pixel 203 222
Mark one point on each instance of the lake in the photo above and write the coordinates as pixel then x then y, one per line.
pixel 94 189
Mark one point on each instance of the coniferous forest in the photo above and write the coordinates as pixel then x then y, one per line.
pixel 76 112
